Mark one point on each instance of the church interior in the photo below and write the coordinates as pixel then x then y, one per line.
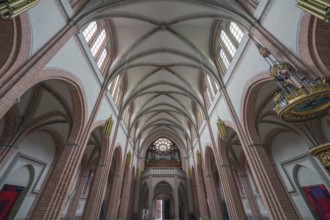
pixel 164 109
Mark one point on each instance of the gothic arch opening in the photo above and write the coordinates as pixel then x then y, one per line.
pixel 163 153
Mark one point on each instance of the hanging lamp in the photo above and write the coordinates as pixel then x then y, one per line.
pixel 299 98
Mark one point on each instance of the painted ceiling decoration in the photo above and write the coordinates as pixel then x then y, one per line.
pixel 167 51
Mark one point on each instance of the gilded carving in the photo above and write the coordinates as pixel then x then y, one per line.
pixel 264 52
pixel 199 157
pixel 10 9
pixel 300 106
pixel 128 158
pixel 222 129
pixel 324 158
pixel 323 154
pixel 108 127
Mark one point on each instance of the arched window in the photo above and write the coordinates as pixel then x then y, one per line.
pixel 230 37
pixel 211 90
pixel 236 32
pixel 114 90
pixel 224 59
pixel 210 85
pixel 228 43
pixel 90 31
pixel 163 153
pixel 102 58
pixel 97 36
pixel 99 41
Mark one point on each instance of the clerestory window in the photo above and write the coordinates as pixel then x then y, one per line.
pixel 98 40
pixel 90 31
pixel 230 37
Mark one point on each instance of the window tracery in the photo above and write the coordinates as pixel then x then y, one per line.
pixel 98 38
pixel 229 39
pixel 114 89
pixel 211 89
pixel 224 59
pixel 97 44
pixel 163 153
pixel 236 32
pixel 102 58
pixel 90 31
pixel 163 145
pixel 228 43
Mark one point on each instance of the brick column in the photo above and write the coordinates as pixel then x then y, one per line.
pixel 213 201
pixel 6 138
pixel 175 193
pixel 71 212
pixel 125 198
pixel 6 151
pixel 114 201
pixel 190 193
pixel 200 185
pixel 132 196
pixel 273 193
pixel 94 200
pixel 250 196
pixel 195 196
pixel 137 192
pixel 115 196
pixel 231 193
pixel 201 194
pixel 54 196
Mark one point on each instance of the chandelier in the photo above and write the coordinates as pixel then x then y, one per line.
pixel 299 98
pixel 12 8
pixel 318 8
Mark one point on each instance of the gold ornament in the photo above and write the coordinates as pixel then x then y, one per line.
pixel 12 8
pixel 128 158
pixel 222 129
pixel 318 8
pixel 108 127
pixel 199 157
pixel 322 152
pixel 300 106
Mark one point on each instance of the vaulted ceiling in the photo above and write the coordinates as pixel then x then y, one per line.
pixel 165 48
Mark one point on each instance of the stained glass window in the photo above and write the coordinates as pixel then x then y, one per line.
pixel 163 144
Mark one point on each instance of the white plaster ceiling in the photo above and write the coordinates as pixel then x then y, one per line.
pixel 163 46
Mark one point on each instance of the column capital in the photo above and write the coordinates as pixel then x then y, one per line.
pixel 71 145
pixel 226 165
pixel 256 145
pixel 8 146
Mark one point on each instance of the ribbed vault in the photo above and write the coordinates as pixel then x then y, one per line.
pixel 165 49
